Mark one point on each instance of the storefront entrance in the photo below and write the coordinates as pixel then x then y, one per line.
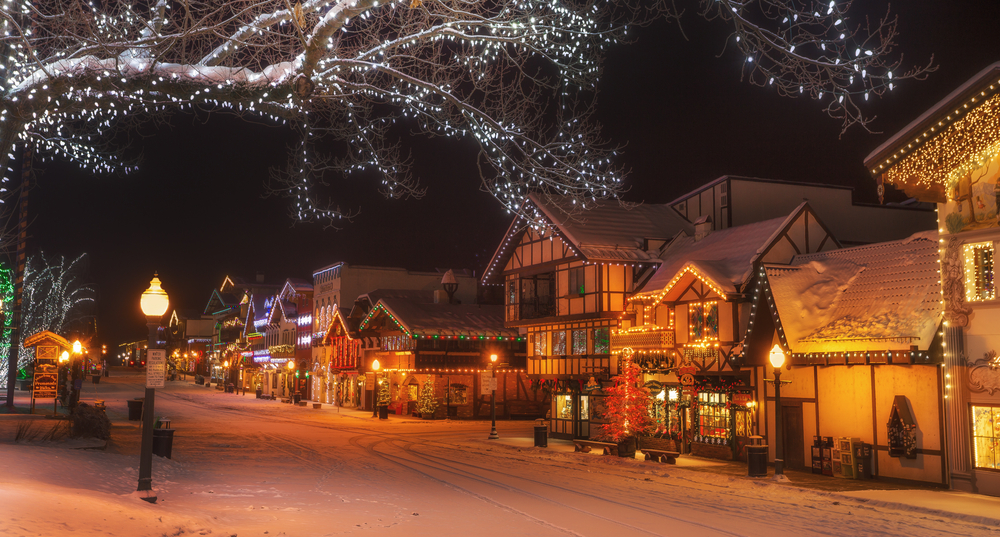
pixel 570 416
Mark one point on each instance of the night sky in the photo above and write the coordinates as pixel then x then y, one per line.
pixel 195 212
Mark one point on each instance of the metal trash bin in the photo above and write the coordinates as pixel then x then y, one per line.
pixel 134 409
pixel 296 397
pixel 230 388
pixel 756 457
pixel 383 412
pixel 260 392
pixel 163 442
pixel 541 433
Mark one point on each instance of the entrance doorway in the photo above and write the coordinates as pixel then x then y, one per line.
pixel 791 423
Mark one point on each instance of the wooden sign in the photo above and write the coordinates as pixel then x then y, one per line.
pixel 45 384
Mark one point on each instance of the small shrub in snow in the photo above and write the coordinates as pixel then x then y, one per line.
pixel 89 422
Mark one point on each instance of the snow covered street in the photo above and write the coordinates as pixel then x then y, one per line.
pixel 249 467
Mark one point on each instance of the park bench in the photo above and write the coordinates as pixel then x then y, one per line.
pixel 660 455
pixel 586 445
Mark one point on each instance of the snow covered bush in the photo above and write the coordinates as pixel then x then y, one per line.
pixel 90 422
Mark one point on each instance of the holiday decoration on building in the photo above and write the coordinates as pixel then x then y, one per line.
pixel 627 403
pixel 427 403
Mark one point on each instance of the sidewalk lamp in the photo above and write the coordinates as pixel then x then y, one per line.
pixel 493 397
pixel 154 303
pixel 777 361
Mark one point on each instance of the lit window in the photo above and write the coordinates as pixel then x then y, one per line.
pixel 559 343
pixel 579 341
pixel 602 344
pixel 986 436
pixel 713 416
pixel 979 272
pixel 540 347
pixel 703 321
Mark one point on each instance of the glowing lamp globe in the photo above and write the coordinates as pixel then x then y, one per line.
pixel 64 357
pixel 77 347
pixel 375 365
pixel 154 300
pixel 777 357
pixel 291 365
pixel 493 358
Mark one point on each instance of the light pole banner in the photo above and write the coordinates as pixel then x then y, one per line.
pixel 156 367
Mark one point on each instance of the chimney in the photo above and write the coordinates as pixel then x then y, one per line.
pixel 260 277
pixel 450 285
pixel 702 227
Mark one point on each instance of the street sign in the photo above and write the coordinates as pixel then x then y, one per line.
pixel 487 383
pixel 156 367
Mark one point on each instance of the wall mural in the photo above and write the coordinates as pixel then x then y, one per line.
pixel 973 199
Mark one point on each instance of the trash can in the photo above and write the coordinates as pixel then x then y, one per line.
pixel 260 392
pixel 756 457
pixel 230 388
pixel 383 412
pixel 541 433
pixel 163 442
pixel 96 378
pixel 296 397
pixel 198 379
pixel 134 409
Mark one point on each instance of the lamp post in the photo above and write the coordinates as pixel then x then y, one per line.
pixel 154 304
pixel 493 397
pixel 777 360
pixel 375 368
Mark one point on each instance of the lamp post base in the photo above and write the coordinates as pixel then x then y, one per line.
pixel 493 434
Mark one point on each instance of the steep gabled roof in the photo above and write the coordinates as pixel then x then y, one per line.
pixel 425 319
pixel 607 231
pixel 726 256
pixel 884 296
pixel 220 301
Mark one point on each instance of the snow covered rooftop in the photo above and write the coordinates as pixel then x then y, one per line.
pixel 884 296
pixel 419 315
pixel 725 256
pixel 609 231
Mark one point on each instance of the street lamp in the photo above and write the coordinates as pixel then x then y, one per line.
pixel 777 360
pixel 493 397
pixel 375 367
pixel 154 303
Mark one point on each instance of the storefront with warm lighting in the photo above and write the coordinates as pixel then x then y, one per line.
pixel 950 156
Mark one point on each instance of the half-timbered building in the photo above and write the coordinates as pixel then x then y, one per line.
pixel 565 286
pixel 687 327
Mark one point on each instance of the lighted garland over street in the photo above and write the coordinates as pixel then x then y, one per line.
pixel 517 77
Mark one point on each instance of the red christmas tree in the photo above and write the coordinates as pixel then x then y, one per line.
pixel 627 404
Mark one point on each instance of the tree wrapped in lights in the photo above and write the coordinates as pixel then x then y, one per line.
pixel 54 298
pixel 356 77
pixel 627 403
pixel 427 403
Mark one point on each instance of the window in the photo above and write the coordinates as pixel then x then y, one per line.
pixel 559 343
pixel 979 271
pixel 540 347
pixel 511 291
pixel 986 437
pixel 713 416
pixel 703 321
pixel 564 407
pixel 458 394
pixel 579 341
pixel 602 345
pixel 576 282
pixel 537 296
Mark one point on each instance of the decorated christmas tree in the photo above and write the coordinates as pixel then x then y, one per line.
pixel 427 404
pixel 627 404
pixel 383 392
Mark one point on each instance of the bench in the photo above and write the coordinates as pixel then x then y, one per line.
pixel 586 445
pixel 660 455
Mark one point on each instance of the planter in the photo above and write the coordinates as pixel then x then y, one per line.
pixel 626 448
pixel 653 442
pixel 427 415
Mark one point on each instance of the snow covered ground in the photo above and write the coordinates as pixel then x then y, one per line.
pixel 248 467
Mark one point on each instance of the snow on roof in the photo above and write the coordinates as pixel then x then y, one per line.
pixel 419 316
pixel 610 231
pixel 884 296
pixel 726 256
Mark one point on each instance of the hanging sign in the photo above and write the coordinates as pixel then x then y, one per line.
pixel 156 368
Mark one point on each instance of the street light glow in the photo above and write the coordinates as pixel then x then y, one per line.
pixel 154 301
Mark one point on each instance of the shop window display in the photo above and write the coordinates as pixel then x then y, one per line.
pixel 458 395
pixel 713 417
pixel 579 341
pixel 559 343
pixel 986 436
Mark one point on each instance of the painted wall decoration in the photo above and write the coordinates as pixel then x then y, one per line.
pixel 973 200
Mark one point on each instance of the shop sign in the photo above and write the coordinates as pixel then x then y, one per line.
pixel 45 384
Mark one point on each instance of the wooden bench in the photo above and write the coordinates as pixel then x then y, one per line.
pixel 659 455
pixel 586 445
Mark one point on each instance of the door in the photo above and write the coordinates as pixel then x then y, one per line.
pixel 791 423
